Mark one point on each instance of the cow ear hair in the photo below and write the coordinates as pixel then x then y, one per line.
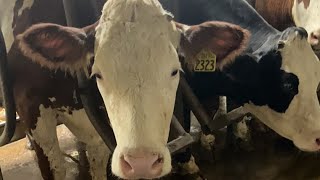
pixel 58 47
pixel 224 40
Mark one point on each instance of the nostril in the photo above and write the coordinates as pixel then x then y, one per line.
pixel 318 141
pixel 126 165
pixel 142 164
pixel 314 38
pixel 157 163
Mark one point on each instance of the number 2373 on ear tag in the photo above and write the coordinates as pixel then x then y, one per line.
pixel 205 62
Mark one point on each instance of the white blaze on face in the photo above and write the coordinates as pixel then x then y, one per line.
pixel 135 54
pixel 307 16
pixel 301 121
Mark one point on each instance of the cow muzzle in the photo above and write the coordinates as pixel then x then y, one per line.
pixel 141 163
pixel 310 144
pixel 314 40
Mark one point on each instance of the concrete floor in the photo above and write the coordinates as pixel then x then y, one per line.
pixel 18 163
pixel 263 163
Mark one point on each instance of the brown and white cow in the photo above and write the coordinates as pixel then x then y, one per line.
pixel 136 66
pixel 285 13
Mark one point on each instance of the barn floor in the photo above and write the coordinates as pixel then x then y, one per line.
pixel 262 164
pixel 17 162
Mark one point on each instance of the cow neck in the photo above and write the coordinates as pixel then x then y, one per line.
pixel 253 79
pixel 277 13
pixel 233 11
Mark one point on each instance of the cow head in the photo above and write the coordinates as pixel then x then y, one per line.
pixel 281 83
pixel 306 14
pixel 136 67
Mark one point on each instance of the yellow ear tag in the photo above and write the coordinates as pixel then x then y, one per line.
pixel 206 61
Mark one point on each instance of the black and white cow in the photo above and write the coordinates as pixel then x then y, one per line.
pixel 276 81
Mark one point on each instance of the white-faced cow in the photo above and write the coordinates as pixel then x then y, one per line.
pixel 136 66
pixel 285 13
pixel 276 81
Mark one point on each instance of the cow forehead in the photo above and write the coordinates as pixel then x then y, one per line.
pixel 138 42
pixel 298 58
pixel 306 14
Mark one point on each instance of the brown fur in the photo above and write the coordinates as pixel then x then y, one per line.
pixel 57 47
pixel 278 13
pixel 225 40
pixel 305 2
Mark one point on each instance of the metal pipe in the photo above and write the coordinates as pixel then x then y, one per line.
pixel 195 106
pixel 99 120
pixel 182 141
pixel 8 98
pixel 88 94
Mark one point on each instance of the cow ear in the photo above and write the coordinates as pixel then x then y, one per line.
pixel 58 47
pixel 224 40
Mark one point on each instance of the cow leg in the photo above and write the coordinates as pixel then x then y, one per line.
pixel 43 162
pixel 45 136
pixel 83 161
pixel 79 124
pixel 98 155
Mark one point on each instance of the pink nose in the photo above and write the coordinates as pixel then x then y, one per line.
pixel 315 38
pixel 141 165
pixel 318 141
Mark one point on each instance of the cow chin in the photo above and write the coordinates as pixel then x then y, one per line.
pixel 132 164
pixel 304 144
pixel 290 125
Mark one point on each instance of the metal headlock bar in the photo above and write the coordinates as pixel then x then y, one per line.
pixel 209 125
pixel 91 101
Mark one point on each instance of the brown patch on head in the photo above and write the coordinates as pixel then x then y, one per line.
pixel 56 47
pixel 305 2
pixel 225 40
pixel 278 13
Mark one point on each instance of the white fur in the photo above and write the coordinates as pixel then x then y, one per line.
pixel 135 55
pixel 189 167
pixel 45 135
pixel 6 18
pixel 301 121
pixel 241 130
pixel 307 18
pixel 27 4
pixel 79 124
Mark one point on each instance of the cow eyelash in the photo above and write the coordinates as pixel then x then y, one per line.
pixel 96 76
pixel 174 72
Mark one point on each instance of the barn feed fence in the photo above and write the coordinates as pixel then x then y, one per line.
pixel 181 137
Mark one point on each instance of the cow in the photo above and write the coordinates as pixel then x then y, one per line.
pixel 138 82
pixel 130 52
pixel 275 78
pixel 302 13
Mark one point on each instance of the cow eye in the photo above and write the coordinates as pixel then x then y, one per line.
pixel 318 92
pixel 96 76
pixel 174 72
pixel 288 86
pixel 290 83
